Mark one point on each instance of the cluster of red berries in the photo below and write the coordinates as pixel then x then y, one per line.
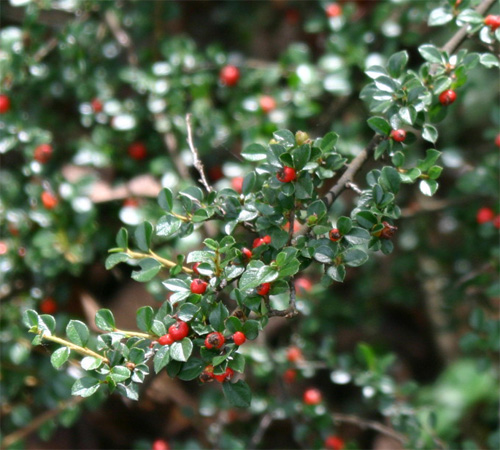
pixel 485 215
pixel 209 375
pixel 176 332
pixel 257 242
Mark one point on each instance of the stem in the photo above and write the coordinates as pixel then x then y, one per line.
pixel 196 160
pixel 81 350
pixel 163 261
pixel 135 334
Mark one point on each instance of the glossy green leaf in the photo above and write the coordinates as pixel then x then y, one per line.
pixel 104 320
pixel 59 357
pixel 238 394
pixel 143 234
pixel 77 332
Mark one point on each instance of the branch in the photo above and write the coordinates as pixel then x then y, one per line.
pixel 196 160
pixel 165 262
pixel 265 422
pixel 81 350
pixel 459 37
pixel 363 424
pixel 38 421
pixel 121 36
pixel 352 169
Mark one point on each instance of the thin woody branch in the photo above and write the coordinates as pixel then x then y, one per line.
pixel 196 159
pixel 121 36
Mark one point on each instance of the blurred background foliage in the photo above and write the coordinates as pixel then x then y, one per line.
pixel 409 340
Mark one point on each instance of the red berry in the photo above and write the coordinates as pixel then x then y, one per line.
pixel 48 306
pixel 257 242
pixel 333 10
pixel 497 140
pixel 229 75
pixel 267 103
pixel 303 285
pixel 267 239
pixel 247 252
pixel 96 105
pixel 485 215
pixel 290 376
pixel 286 175
pixel 166 339
pixel 334 234
pixel 496 221
pixel 131 202
pixel 312 396
pixel 296 226
pixel 195 268
pixel 160 444
pixel 264 288
pixel 388 230
pixel 447 97
pixel 198 286
pixel 492 21
pixel 207 374
pixel 215 340
pixel 237 184
pixel 178 330
pixel 3 248
pixel 239 338
pixel 294 354
pixel 227 375
pixel 49 200
pixel 43 153
pixel 334 443
pixel 137 151
pixel 398 135
pixel 4 104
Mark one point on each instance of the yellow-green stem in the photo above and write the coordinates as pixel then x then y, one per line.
pixel 82 350
pixel 136 334
pixel 163 261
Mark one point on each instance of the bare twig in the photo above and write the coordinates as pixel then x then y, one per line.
pixel 196 159
pixel 354 187
pixel 372 425
pixel 352 169
pixel 172 147
pixel 121 36
pixel 265 422
pixel 38 421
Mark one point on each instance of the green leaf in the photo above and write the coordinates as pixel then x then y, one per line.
pixel 30 318
pixel 379 125
pixel 46 324
pixel 470 16
pixel 149 268
pixel 285 138
pixel 131 390
pixel 489 60
pixel 251 329
pixel 114 259
pixel 158 328
pixel 122 238
pixel 166 199
pixel 386 84
pixel 430 53
pixel 390 179
pixel 398 159
pixel 328 142
pixel 90 363
pixel 144 318
pixel 187 311
pixel 217 317
pixel 357 236
pixel 77 332
pixel 104 320
pixel 303 187
pixel 368 355
pixel 120 373
pixel 85 387
pixel 301 156
pixel 428 187
pixel 168 225
pixel 431 157
pixel 408 114
pixel 59 357
pixel 181 350
pixel 191 369
pixel 248 183
pixel 440 16
pixel 430 133
pixel 366 219
pixel 344 225
pixel 237 394
pixel 176 285
pixel 143 234
pixel 337 273
pixel 397 63
pixel 161 359
pixel 237 363
pixel 254 153
pixel 233 324
pixel 354 257
pixel 434 172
